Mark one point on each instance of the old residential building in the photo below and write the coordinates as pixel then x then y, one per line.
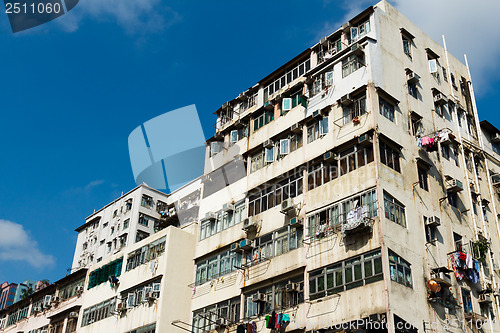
pixel 54 308
pixel 125 221
pixel 362 183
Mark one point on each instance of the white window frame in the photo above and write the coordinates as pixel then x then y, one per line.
pixel 284 146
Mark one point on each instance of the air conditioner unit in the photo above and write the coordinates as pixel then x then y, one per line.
pixel 323 40
pixel 317 115
pixel 249 224
pixel 485 298
pixel 55 299
pixel 44 331
pixel 365 139
pixel 221 322
pixel 443 278
pixel 46 300
pixel 246 244
pixel 454 185
pixel 228 207
pixel 235 247
pixel 37 309
pixel 296 222
pixel 286 206
pixel 346 100
pixel 291 287
pixel 268 105
pixel 495 138
pixel 156 287
pixel 259 297
pixel 296 128
pixel 79 289
pixel 209 216
pixel 328 156
pixel 356 48
pixel 439 98
pixel 268 143
pixel 150 296
pixel 73 315
pixel 121 307
pixel 412 77
pixel 433 221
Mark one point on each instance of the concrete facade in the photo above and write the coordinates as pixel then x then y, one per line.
pixel 381 214
pixel 128 219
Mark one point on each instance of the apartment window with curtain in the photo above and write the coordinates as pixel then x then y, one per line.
pixel 400 270
pixel 394 210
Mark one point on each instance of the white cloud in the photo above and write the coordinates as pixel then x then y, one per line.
pixel 136 17
pixel 93 184
pixel 469 27
pixel 17 245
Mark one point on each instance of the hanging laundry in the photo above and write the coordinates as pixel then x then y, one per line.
pixel 249 328
pixel 240 329
pixel 286 318
pixel 254 327
pixel 469 262
pixel 272 320
pixel 268 321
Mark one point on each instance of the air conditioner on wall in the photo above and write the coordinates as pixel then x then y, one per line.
pixel 485 298
pixel 433 221
pixel 73 315
pixel 259 297
pixel 287 205
pixel 296 222
pixel 268 143
pixel 228 207
pixel 296 128
pixel 246 244
pixel 220 322
pixel 291 287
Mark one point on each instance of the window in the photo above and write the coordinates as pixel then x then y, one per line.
pixel 458 242
pixel 312 132
pixel 295 142
pixel 400 270
pixel 496 147
pixel 360 31
pixel 292 74
pixel 141 235
pixel 222 221
pixel 445 75
pixel 467 301
pixel 271 196
pixel 126 223
pixel 348 274
pixel 144 220
pixel 275 243
pixel 102 274
pixel 453 199
pixel 145 254
pixel 104 225
pixel 256 162
pixel 269 155
pixel 216 147
pixel 352 64
pixel 407 46
pixel 445 151
pixel 386 109
pixel 137 295
pixel 250 102
pixel 321 83
pixel 394 210
pixel 430 232
pixel 356 109
pixel 389 156
pixel 128 204
pixel 330 219
pixel 348 160
pixel 265 118
pixel 422 178
pixel 69 290
pixel 417 128
pixel 217 266
pixel 204 319
pixel 145 329
pixel 412 89
pixel 146 201
pixel 99 311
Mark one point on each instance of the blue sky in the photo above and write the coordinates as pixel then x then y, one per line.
pixel 74 89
